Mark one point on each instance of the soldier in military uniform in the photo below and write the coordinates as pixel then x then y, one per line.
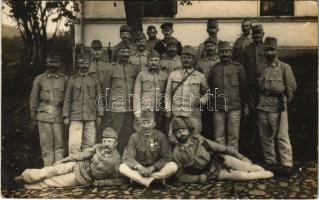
pixel 46 102
pixel 98 163
pixel 118 85
pixel 149 90
pixel 277 86
pixel 139 58
pixel 152 39
pixel 186 93
pixel 171 61
pixel 167 30
pixel 212 30
pixel 253 64
pixel 243 41
pixel 230 79
pixel 125 34
pixel 148 155
pixel 79 110
pixel 97 67
pixel 200 160
pixel 204 66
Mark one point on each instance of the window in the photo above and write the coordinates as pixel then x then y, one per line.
pixel 277 7
pixel 159 8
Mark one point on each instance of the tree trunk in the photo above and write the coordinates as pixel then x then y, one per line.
pixel 133 11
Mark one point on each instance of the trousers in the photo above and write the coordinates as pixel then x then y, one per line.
pixel 82 134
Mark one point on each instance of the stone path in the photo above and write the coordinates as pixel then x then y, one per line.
pixel 300 186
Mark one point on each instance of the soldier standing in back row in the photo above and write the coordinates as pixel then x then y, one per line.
pixel 46 102
pixel 277 86
pixel 152 39
pixel 161 46
pixel 212 30
pixel 139 58
pixel 243 41
pixel 125 34
pixel 171 61
pixel 230 79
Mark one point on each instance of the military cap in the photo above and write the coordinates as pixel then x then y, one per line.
pixel 109 133
pixel 153 54
pixel 149 28
pixel 257 28
pixel 189 50
pixel 124 45
pixel 96 44
pixel 167 25
pixel 139 36
pixel 147 115
pixel 54 54
pixel 171 41
pixel 178 123
pixel 125 28
pixel 211 40
pixel 84 56
pixel 212 22
pixel 271 42
pixel 224 45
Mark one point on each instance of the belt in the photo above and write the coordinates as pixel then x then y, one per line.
pixel 272 94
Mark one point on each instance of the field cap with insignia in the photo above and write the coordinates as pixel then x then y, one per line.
pixel 139 36
pixel 257 28
pixel 167 25
pixel 189 50
pixel 147 115
pixel 153 54
pixel 271 42
pixel 171 41
pixel 84 56
pixel 210 40
pixel 125 28
pixel 124 45
pixel 178 123
pixel 212 22
pixel 96 44
pixel 54 55
pixel 109 133
pixel 224 45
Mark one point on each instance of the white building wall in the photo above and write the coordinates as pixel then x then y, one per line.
pixel 190 25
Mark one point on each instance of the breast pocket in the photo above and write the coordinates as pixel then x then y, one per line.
pixel 45 93
pixel 161 84
pixel 234 79
pixel 275 84
pixel 77 92
pixel 140 153
pixel 118 81
pixel 60 92
pixel 195 87
pixel 91 90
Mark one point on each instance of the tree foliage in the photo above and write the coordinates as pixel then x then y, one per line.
pixel 32 19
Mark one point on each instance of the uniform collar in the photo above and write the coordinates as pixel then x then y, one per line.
pixel 214 57
pixel 187 71
pixel 52 75
pixel 153 71
pixel 83 74
pixel 273 64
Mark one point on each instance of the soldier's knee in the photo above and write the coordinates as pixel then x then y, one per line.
pixel 123 168
pixel 172 166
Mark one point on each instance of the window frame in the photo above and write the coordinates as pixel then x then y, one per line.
pixel 277 11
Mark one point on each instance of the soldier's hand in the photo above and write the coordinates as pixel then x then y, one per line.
pixel 169 114
pixel 98 121
pixel 98 183
pixel 202 178
pixel 144 172
pixel 150 170
pixel 66 121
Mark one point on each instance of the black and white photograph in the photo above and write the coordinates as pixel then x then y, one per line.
pixel 159 99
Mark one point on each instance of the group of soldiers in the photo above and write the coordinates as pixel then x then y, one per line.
pixel 162 109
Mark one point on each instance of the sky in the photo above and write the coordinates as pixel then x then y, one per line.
pixel 7 21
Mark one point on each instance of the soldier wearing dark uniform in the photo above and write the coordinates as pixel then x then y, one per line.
pixel 212 30
pixel 149 90
pixel 46 102
pixel 277 86
pixel 230 79
pixel 161 46
pixel 253 64
pixel 99 163
pixel 125 34
pixel 171 61
pixel 152 39
pixel 118 86
pixel 139 58
pixel 243 41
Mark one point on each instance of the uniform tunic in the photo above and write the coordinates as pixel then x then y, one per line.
pixel 168 64
pixel 140 60
pixel 238 50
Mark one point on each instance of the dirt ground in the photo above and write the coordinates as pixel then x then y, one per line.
pixel 20 148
